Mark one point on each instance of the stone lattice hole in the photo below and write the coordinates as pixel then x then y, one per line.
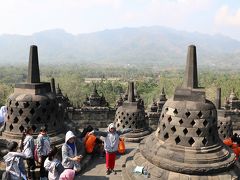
pixel 180 121
pixel 177 140
pixel 166 136
pixel 198 131
pixel 11 127
pixel 175 111
pixel 173 129
pixel 204 141
pixel 20 112
pixel 127 114
pixel 199 114
pixel 16 104
pixel 37 104
pixel 133 122
pixel 21 128
pixel 11 111
pixel 26 104
pixel 187 114
pixel 15 120
pixel 32 111
pixel 126 122
pixel 185 131
pixel 27 120
pixel 191 141
pixel 164 126
pixel 205 122
pixel 192 123
pixel 166 109
pixel 169 119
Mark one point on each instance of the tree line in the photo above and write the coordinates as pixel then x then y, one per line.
pixel 71 79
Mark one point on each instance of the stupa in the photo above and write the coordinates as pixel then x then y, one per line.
pixel 225 129
pixel 132 115
pixel 33 104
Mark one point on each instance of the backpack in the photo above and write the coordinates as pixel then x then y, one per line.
pixel 121 146
pixel 90 143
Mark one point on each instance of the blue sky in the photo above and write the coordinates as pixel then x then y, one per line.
pixel 83 16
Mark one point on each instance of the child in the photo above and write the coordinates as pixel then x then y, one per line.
pixel 27 147
pixel 111 142
pixel 70 160
pixel 43 148
pixel 53 165
pixel 14 162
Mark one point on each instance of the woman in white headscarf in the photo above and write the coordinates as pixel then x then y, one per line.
pixel 70 159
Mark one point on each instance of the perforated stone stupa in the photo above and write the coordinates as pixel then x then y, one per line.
pixel 225 129
pixel 186 144
pixel 95 100
pixel 132 115
pixel 155 110
pixel 33 104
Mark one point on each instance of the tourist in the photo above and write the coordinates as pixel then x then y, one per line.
pixel 27 147
pixel 43 148
pixel 70 159
pixel 53 165
pixel 3 112
pixel 111 142
pixel 92 143
pixel 14 163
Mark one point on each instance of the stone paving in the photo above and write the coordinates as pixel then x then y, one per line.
pixel 97 169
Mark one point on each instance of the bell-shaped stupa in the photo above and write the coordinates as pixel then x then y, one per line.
pixel 33 104
pixel 132 115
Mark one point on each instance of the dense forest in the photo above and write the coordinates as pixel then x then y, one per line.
pixel 112 81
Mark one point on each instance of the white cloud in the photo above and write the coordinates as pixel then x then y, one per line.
pixel 226 17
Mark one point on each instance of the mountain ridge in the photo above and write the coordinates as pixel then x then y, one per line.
pixel 153 45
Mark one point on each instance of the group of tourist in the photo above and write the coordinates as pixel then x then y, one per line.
pixel 43 154
pixel 47 157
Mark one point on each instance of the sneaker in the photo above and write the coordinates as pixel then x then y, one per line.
pixel 108 172
pixel 114 171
